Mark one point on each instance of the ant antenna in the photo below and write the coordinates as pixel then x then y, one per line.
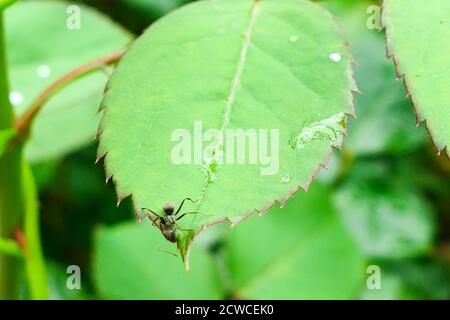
pixel 182 203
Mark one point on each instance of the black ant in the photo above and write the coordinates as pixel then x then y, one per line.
pixel 168 223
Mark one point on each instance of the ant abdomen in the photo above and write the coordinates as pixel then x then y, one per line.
pixel 170 234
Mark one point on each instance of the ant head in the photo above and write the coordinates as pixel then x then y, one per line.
pixel 168 209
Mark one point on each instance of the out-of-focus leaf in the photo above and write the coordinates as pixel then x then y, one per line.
pixel 289 72
pixel 415 36
pixel 300 252
pixel 387 219
pixel 154 8
pixel 411 280
pixel 44 172
pixel 5 137
pixel 385 121
pixel 128 265
pixel 43 46
pixel 351 15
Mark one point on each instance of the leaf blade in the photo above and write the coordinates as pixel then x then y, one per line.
pixel 146 272
pixel 238 50
pixel 310 242
pixel 421 60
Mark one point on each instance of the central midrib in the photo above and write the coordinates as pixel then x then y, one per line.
pixel 236 80
pixel 241 64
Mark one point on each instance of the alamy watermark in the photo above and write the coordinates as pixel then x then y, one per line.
pixel 374 18
pixel 73 281
pixel 73 21
pixel 229 146
pixel 373 281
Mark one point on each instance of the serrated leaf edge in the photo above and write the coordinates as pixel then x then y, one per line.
pixel 185 254
pixel 409 95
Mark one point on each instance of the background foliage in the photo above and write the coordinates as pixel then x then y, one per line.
pixel 384 200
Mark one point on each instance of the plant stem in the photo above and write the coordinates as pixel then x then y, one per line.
pixel 17 197
pixel 35 265
pixel 11 209
pixel 10 185
pixel 24 123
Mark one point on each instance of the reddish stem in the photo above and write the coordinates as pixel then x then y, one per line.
pixel 20 239
pixel 23 123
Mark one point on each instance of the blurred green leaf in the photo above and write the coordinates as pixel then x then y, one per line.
pixel 386 120
pixel 154 8
pixel 300 85
pixel 351 15
pixel 414 35
pixel 44 173
pixel 411 279
pixel 387 219
pixel 300 252
pixel 45 48
pixel 128 265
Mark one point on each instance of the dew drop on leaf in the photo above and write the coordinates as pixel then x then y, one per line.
pixel 335 56
pixel 43 71
pixel 293 38
pixel 15 97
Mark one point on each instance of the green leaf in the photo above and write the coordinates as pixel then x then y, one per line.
pixel 246 65
pixel 388 219
pixel 146 272
pixel 42 50
pixel 154 8
pixel 385 118
pixel 44 173
pixel 414 34
pixel 300 252
pixel 5 137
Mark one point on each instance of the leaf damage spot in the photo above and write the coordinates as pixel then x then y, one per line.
pixel 330 129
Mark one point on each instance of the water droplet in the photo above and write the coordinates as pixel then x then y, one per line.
pixel 15 97
pixel 293 38
pixel 335 56
pixel 43 71
pixel 286 178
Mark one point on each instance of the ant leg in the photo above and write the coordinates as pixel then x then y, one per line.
pixel 192 212
pixel 165 251
pixel 179 228
pixel 181 205
pixel 148 215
